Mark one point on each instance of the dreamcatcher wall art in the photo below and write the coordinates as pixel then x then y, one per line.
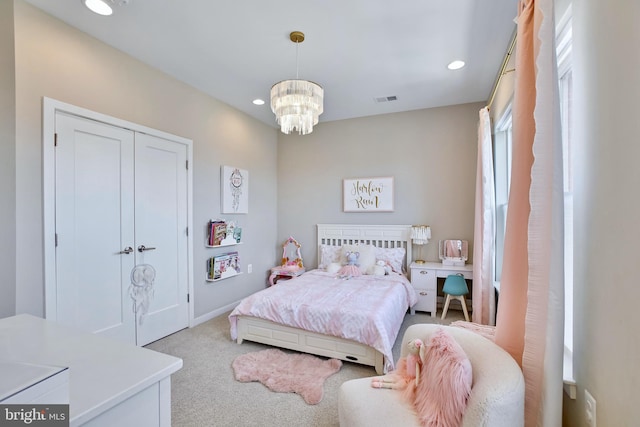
pixel 235 190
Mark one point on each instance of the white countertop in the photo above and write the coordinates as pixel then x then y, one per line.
pixel 102 372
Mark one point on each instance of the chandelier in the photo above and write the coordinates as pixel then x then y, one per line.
pixel 297 104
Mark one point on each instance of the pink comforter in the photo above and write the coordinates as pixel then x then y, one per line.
pixel 366 309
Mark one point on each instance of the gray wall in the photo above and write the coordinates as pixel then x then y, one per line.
pixel 7 162
pixel 430 153
pixel 606 37
pixel 419 148
pixel 57 61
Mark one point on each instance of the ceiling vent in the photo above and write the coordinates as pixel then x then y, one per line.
pixel 386 99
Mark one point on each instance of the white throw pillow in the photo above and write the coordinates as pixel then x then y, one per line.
pixel 329 254
pixel 333 268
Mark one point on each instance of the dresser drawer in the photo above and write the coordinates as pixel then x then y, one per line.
pixel 426 300
pixel 423 278
pixel 467 274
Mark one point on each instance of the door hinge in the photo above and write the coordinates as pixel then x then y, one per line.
pixel 187 297
pixel 55 139
pixel 56 239
pixel 187 162
pixel 187 231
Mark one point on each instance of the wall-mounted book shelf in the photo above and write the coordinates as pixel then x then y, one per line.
pixel 223 245
pixel 223 278
pixel 223 266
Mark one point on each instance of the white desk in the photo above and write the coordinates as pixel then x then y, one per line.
pixel 110 383
pixel 424 278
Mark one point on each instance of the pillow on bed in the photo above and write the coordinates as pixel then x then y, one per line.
pixel 391 256
pixel 328 255
pixel 333 268
pixel 366 259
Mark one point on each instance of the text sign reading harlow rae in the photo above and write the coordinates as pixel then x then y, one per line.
pixel 368 194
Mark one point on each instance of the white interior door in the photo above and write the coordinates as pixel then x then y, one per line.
pixel 116 191
pixel 94 209
pixel 161 227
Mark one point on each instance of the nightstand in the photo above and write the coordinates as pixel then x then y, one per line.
pixel 425 282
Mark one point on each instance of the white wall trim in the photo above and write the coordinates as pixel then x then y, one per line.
pixel 49 109
pixel 215 313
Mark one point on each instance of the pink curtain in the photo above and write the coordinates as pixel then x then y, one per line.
pixel 530 311
pixel 483 248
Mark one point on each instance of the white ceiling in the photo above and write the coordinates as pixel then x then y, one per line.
pixel 358 50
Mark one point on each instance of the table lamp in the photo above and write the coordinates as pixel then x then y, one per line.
pixel 420 235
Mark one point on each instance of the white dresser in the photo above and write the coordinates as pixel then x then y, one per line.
pixel 424 279
pixel 33 384
pixel 109 383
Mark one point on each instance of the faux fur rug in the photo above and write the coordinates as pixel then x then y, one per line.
pixel 284 372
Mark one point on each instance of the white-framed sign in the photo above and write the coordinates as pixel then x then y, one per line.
pixel 235 190
pixel 368 194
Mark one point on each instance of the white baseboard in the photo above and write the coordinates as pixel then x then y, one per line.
pixel 212 314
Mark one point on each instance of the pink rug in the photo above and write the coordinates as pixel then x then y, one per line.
pixel 283 372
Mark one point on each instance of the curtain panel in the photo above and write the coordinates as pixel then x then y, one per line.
pixel 484 228
pixel 529 322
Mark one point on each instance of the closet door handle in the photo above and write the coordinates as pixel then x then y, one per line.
pixel 126 250
pixel 143 248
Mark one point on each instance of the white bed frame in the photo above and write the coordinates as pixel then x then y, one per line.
pixel 267 332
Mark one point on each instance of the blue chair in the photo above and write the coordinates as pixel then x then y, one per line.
pixel 456 288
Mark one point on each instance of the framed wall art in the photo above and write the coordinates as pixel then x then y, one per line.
pixel 367 194
pixel 235 190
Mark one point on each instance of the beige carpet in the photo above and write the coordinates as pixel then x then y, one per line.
pixel 205 393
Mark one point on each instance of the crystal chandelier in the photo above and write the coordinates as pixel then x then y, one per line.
pixel 297 104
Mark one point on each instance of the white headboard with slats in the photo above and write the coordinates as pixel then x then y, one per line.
pixel 381 236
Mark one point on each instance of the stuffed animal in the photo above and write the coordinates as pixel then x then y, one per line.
pixel 334 267
pixel 380 268
pixel 414 358
pixel 351 267
pixel 352 258
pixel 408 369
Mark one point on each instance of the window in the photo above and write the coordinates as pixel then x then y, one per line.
pixel 502 164
pixel 565 85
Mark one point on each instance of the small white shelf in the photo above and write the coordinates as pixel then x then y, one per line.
pixel 223 246
pixel 223 278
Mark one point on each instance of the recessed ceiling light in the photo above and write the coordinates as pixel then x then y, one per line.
pixel 258 101
pixel 98 6
pixel 456 65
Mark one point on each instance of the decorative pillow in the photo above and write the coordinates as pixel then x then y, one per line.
pixel 334 267
pixel 445 383
pixel 366 259
pixel 391 256
pixel 329 254
pixel 377 270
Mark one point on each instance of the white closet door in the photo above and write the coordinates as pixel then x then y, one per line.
pixel 161 224
pixel 94 205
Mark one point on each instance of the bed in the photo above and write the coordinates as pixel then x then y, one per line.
pixel 350 318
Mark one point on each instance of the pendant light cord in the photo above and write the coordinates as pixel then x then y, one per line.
pixel 297 45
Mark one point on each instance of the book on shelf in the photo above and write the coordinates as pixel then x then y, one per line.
pixel 217 231
pixel 223 265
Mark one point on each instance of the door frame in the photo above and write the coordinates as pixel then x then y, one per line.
pixel 49 109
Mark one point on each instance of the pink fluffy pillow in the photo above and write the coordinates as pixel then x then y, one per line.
pixel 445 382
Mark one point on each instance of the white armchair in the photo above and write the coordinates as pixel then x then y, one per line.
pixel 497 393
